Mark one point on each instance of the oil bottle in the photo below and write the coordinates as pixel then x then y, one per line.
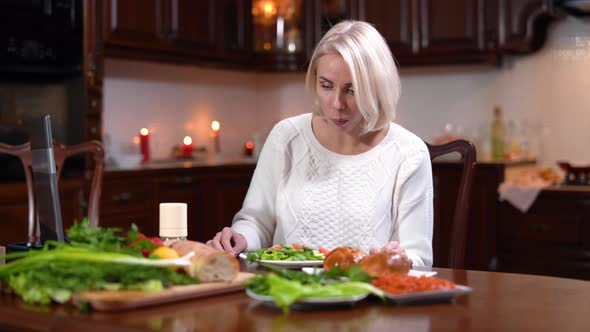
pixel 497 135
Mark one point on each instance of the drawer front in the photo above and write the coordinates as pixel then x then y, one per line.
pixel 122 197
pixel 555 229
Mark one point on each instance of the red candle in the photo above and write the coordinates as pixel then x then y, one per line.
pixel 144 144
pixel 187 147
pixel 249 149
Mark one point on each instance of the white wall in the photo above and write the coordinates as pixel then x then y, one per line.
pixel 549 91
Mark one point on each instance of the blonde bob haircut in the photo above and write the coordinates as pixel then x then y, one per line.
pixel 375 79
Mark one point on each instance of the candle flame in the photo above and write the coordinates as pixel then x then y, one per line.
pixel 268 8
pixel 144 131
pixel 187 140
pixel 215 125
pixel 249 145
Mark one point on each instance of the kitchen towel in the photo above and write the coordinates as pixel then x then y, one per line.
pixel 522 193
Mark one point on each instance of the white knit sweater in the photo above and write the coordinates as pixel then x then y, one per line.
pixel 303 193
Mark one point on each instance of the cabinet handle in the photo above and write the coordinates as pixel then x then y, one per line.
pixel 425 31
pixel 183 180
pixel 124 196
pixel 174 24
pixel 539 228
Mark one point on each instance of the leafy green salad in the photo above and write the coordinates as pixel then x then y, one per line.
pixel 281 252
pixel 288 286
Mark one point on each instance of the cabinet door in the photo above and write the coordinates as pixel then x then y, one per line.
pixel 192 25
pixel 327 13
pixel 396 21
pixel 235 30
pixel 452 26
pixel 134 23
pixel 229 192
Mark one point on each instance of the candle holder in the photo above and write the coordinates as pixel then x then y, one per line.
pixel 199 153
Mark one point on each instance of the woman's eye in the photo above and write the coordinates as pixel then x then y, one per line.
pixel 325 86
pixel 350 92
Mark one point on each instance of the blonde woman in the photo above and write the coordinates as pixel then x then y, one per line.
pixel 345 174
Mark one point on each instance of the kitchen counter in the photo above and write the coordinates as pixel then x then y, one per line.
pixel 181 164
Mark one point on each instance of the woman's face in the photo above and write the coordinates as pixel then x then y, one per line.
pixel 336 94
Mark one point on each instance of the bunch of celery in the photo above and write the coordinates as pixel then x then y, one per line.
pixel 97 259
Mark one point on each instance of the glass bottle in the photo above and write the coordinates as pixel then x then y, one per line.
pixel 497 135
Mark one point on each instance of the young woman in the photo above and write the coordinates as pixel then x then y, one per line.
pixel 344 175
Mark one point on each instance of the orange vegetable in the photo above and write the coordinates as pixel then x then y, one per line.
pixel 399 283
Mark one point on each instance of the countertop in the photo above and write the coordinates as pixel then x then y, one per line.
pixel 172 164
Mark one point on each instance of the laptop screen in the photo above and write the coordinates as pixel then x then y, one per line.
pixel 45 189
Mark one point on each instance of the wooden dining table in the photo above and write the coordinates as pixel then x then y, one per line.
pixel 498 302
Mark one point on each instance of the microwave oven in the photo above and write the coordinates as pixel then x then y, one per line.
pixel 40 39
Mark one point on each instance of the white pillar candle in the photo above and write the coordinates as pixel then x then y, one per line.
pixel 173 224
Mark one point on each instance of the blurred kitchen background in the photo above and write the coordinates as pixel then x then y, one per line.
pixel 205 81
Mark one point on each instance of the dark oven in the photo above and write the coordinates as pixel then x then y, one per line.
pixel 41 52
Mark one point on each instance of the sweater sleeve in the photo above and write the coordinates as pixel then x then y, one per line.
pixel 415 209
pixel 256 221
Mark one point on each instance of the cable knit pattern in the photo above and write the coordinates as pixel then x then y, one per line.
pixel 302 192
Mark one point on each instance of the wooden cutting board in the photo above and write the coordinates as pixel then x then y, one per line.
pixel 123 300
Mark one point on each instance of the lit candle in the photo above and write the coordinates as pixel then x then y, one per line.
pixel 249 149
pixel 187 147
pixel 215 126
pixel 144 144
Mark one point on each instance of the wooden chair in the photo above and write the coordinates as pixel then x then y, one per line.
pixel 459 223
pixel 61 153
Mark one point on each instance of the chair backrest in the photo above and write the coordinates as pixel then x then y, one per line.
pixel 61 153
pixel 459 223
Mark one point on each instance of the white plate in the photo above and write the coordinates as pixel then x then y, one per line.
pixel 286 264
pixel 430 296
pixel 414 273
pixel 313 302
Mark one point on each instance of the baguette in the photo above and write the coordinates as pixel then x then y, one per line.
pixel 208 264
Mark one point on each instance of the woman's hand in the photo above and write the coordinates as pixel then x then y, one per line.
pixel 392 247
pixel 229 241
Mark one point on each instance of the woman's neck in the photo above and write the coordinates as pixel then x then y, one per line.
pixel 342 142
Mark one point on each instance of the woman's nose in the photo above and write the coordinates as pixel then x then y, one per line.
pixel 338 101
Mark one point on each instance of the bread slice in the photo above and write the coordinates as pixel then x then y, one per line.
pixel 208 264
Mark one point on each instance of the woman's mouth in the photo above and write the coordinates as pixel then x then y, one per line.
pixel 339 122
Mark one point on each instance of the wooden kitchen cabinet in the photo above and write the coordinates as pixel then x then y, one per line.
pixel 423 32
pixel 225 33
pixel 551 238
pixel 127 200
pixel 178 31
pixel 135 24
pixel 214 194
